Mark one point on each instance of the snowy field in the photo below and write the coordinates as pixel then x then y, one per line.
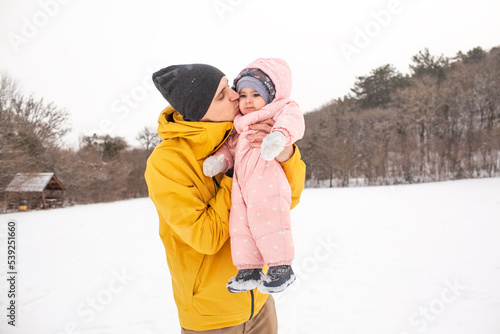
pixel 380 260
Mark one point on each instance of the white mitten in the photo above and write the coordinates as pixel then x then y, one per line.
pixel 272 145
pixel 214 165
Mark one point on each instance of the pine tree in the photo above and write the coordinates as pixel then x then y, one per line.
pixel 426 64
pixel 375 90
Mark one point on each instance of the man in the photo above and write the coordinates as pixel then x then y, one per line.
pixel 194 209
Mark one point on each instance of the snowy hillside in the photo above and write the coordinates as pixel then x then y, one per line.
pixel 381 260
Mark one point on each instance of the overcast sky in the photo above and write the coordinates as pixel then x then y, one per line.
pixel 95 58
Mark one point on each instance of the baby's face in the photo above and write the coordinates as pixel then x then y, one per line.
pixel 250 100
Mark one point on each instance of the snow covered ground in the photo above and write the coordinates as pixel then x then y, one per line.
pixel 381 260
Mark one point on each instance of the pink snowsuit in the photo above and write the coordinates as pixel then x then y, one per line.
pixel 259 221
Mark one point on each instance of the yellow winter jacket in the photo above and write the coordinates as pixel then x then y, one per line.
pixel 194 217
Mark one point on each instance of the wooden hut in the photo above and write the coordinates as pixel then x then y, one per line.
pixel 35 191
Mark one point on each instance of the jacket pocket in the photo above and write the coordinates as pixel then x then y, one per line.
pixel 210 295
pixel 198 278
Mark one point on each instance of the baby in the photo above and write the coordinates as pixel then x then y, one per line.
pixel 259 221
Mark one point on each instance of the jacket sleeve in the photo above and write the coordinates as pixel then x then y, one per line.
pixel 180 205
pixel 295 171
pixel 290 122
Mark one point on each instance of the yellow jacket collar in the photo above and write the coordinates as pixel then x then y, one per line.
pixel 204 137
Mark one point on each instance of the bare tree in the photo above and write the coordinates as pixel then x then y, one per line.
pixel 148 138
pixel 28 118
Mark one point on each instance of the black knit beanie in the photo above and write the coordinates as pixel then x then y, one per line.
pixel 189 88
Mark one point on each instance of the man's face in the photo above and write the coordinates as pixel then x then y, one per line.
pixel 224 106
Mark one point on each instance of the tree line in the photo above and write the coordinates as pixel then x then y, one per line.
pixel 441 122
pixel 102 169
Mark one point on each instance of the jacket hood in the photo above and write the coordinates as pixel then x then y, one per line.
pixel 203 137
pixel 279 72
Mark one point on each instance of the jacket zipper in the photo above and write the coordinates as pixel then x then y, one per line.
pixel 253 304
pixel 216 184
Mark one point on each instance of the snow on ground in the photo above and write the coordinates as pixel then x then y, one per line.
pixel 381 260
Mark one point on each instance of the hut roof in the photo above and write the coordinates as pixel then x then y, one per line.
pixel 34 182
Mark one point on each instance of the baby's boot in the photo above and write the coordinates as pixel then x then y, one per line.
pixel 246 279
pixel 277 279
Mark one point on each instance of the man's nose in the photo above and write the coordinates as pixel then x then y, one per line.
pixel 233 96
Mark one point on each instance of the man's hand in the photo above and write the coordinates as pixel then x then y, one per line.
pixel 285 154
pixel 264 128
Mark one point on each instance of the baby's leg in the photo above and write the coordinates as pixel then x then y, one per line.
pixel 244 250
pixel 268 207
